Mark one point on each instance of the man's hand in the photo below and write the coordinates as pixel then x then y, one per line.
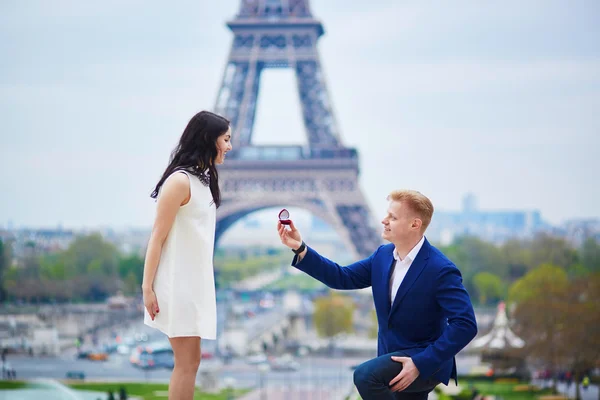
pixel 407 376
pixel 290 237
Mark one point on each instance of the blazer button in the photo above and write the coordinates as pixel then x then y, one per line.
pixel 389 325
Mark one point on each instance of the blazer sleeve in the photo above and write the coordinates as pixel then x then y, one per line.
pixel 456 306
pixel 353 276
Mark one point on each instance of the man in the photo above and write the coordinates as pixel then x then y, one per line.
pixel 424 313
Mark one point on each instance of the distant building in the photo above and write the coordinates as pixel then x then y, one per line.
pixel 25 242
pixel 38 241
pixel 129 241
pixel 577 231
pixel 492 226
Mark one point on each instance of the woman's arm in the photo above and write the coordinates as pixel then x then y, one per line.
pixel 175 192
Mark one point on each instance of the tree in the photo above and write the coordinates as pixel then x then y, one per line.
pixel 541 314
pixel 132 284
pixel 91 267
pixel 11 279
pixel 333 315
pixel 544 280
pixel 580 339
pixel 517 256
pixel 473 255
pixel 87 249
pixel 590 255
pixel 488 286
pixel 547 249
pixel 4 265
pixel 374 329
pixel 132 264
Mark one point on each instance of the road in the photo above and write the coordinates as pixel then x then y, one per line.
pixel 319 371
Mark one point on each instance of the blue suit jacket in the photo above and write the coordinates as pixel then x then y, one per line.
pixel 432 317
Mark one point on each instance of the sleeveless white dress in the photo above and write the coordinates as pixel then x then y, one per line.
pixel 184 283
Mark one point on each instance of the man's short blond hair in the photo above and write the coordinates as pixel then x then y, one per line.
pixel 417 202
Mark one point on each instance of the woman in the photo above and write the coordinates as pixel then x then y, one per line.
pixel 178 284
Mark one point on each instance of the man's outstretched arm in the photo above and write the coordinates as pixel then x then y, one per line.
pixel 354 276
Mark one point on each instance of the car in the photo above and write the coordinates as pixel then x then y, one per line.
pixel 83 354
pixel 92 354
pixel 284 363
pixel 255 359
pixel 98 356
pixel 155 355
pixel 75 375
pixel 162 358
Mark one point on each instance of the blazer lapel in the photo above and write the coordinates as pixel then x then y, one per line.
pixel 411 276
pixel 387 275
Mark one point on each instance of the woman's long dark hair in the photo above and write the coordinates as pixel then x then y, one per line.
pixel 197 150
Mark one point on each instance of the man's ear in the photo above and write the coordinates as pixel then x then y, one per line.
pixel 417 223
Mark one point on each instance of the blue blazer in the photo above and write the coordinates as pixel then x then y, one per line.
pixel 432 317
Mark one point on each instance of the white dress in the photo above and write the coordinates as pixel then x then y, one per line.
pixel 184 283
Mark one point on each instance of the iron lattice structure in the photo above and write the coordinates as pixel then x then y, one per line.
pixel 322 177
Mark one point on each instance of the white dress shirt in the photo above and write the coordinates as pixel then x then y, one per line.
pixel 402 267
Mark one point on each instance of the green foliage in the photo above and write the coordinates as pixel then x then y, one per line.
pixel 553 250
pixel 489 287
pixel 4 264
pixel 374 329
pixel 132 283
pixel 150 391
pixel 581 344
pixel 545 280
pixel 505 391
pixel 472 255
pixel 132 264
pixel 8 385
pixel 515 258
pixel 145 391
pixel 333 314
pixel 554 316
pixel 91 269
pixel 300 282
pixel 590 255
pixel 90 252
pixel 237 266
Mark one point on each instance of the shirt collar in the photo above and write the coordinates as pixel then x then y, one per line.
pixel 412 254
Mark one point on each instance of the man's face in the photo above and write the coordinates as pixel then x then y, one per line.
pixel 400 223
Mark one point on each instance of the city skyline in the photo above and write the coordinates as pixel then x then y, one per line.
pixel 498 100
pixel 301 217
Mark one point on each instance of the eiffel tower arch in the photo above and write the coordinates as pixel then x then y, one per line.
pixel 321 177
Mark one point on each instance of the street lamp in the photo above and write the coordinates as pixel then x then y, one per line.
pixel 263 368
pixel 229 385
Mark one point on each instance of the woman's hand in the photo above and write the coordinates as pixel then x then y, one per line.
pixel 150 303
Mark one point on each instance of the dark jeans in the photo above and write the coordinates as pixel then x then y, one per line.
pixel 372 380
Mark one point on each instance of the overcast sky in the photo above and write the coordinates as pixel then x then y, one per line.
pixel 501 99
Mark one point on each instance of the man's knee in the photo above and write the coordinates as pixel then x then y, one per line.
pixel 359 375
pixel 363 375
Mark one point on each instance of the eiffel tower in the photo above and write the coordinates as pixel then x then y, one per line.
pixel 321 177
